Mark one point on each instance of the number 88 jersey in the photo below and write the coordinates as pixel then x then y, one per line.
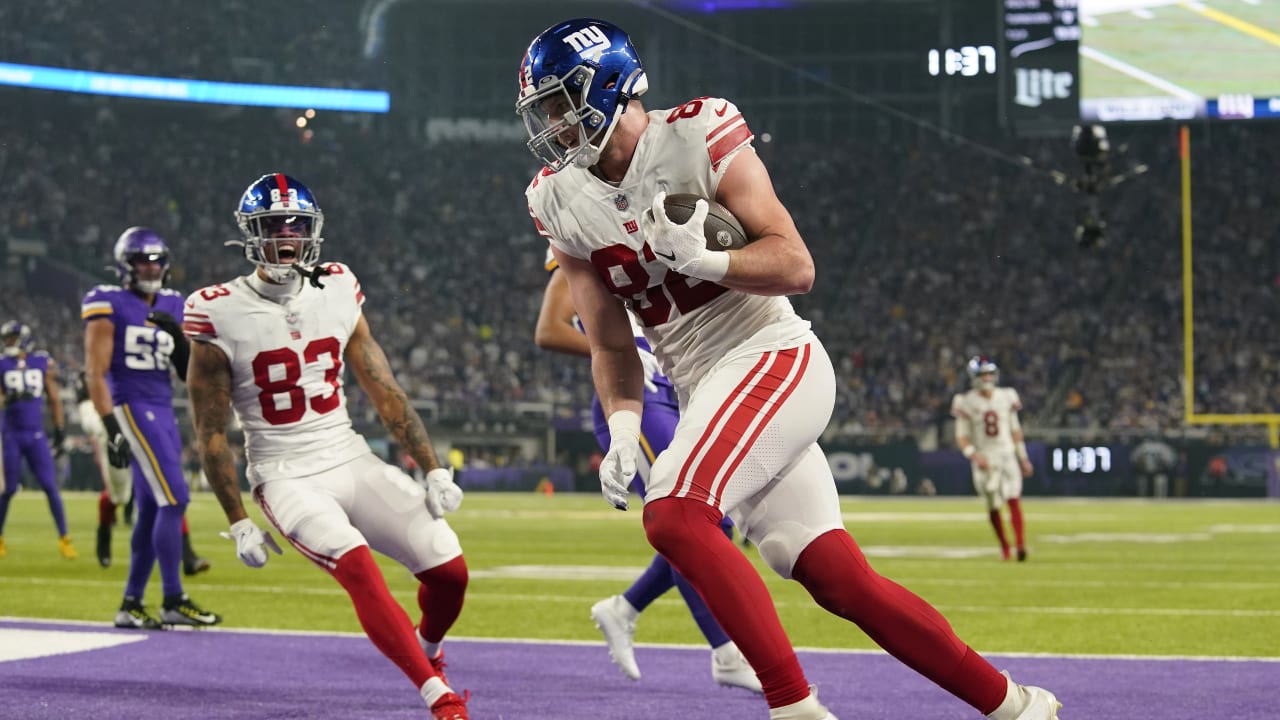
pixel 285 350
pixel 686 149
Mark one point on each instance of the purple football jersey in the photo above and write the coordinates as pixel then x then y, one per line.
pixel 139 369
pixel 25 377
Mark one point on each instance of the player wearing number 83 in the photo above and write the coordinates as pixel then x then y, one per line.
pixel 754 384
pixel 272 345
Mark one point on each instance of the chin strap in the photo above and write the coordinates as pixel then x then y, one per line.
pixel 314 274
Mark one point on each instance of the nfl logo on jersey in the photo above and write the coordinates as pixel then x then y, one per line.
pixel 620 201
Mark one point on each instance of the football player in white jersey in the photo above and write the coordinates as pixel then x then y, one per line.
pixel 989 434
pixel 559 329
pixel 272 345
pixel 755 386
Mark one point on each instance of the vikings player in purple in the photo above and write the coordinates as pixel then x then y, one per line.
pixel 559 329
pixel 132 337
pixel 29 378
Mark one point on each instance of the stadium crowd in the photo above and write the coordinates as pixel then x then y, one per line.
pixel 931 253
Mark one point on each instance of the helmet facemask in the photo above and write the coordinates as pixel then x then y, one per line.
pixel 556 108
pixel 150 286
pixel 281 242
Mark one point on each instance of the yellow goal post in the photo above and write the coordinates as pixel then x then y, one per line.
pixel 1190 416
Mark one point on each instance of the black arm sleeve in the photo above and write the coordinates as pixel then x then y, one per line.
pixel 181 356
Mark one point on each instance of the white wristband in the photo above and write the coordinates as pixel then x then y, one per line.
pixel 1021 451
pixel 624 423
pixel 969 451
pixel 713 266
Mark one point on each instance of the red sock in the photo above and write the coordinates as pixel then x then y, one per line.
pixel 106 509
pixel 185 530
pixel 998 524
pixel 383 620
pixel 440 596
pixel 687 533
pixel 1015 516
pixel 834 571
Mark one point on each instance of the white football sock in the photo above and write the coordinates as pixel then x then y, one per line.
pixel 429 648
pixel 1016 700
pixel 432 690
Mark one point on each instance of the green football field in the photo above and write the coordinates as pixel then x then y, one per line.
pixel 1187 578
pixel 1206 48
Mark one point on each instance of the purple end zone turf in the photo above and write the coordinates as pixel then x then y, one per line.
pixel 210 675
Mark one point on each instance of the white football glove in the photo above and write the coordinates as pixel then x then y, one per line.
pixel 651 369
pixel 619 465
pixel 443 494
pixel 251 542
pixel 683 248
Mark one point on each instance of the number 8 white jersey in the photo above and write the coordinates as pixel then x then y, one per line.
pixel 990 419
pixel 286 368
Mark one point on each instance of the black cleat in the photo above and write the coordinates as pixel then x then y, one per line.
pixel 1022 554
pixel 133 616
pixel 179 610
pixel 195 566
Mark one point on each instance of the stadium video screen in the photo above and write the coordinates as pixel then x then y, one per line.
pixel 1171 59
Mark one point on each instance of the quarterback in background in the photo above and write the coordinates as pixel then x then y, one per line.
pixel 989 434
pixel 754 384
pixel 30 380
pixel 271 345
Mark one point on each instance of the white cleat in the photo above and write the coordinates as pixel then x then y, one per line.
pixel 731 669
pixel 807 709
pixel 1037 703
pixel 615 618
pixel 1043 705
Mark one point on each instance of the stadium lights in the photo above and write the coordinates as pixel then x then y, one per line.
pixel 197 91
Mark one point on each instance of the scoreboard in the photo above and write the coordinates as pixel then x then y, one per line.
pixel 1026 51
pixel 1052 64
pixel 1041 82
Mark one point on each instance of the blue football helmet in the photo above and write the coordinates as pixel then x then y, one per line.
pixel 17 338
pixel 280 221
pixel 140 244
pixel 579 73
pixel 983 372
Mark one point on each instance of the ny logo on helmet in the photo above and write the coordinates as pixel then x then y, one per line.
pixel 590 42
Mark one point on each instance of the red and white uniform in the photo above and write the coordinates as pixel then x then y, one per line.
pixel 756 387
pixel 314 477
pixel 989 423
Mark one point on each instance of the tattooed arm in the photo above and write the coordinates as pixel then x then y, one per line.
pixel 372 371
pixel 209 385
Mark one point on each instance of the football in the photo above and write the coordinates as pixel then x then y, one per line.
pixel 722 229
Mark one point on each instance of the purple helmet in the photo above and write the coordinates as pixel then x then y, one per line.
pixel 140 244
pixel 16 338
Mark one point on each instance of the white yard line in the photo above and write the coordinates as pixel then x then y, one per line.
pixel 1138 74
